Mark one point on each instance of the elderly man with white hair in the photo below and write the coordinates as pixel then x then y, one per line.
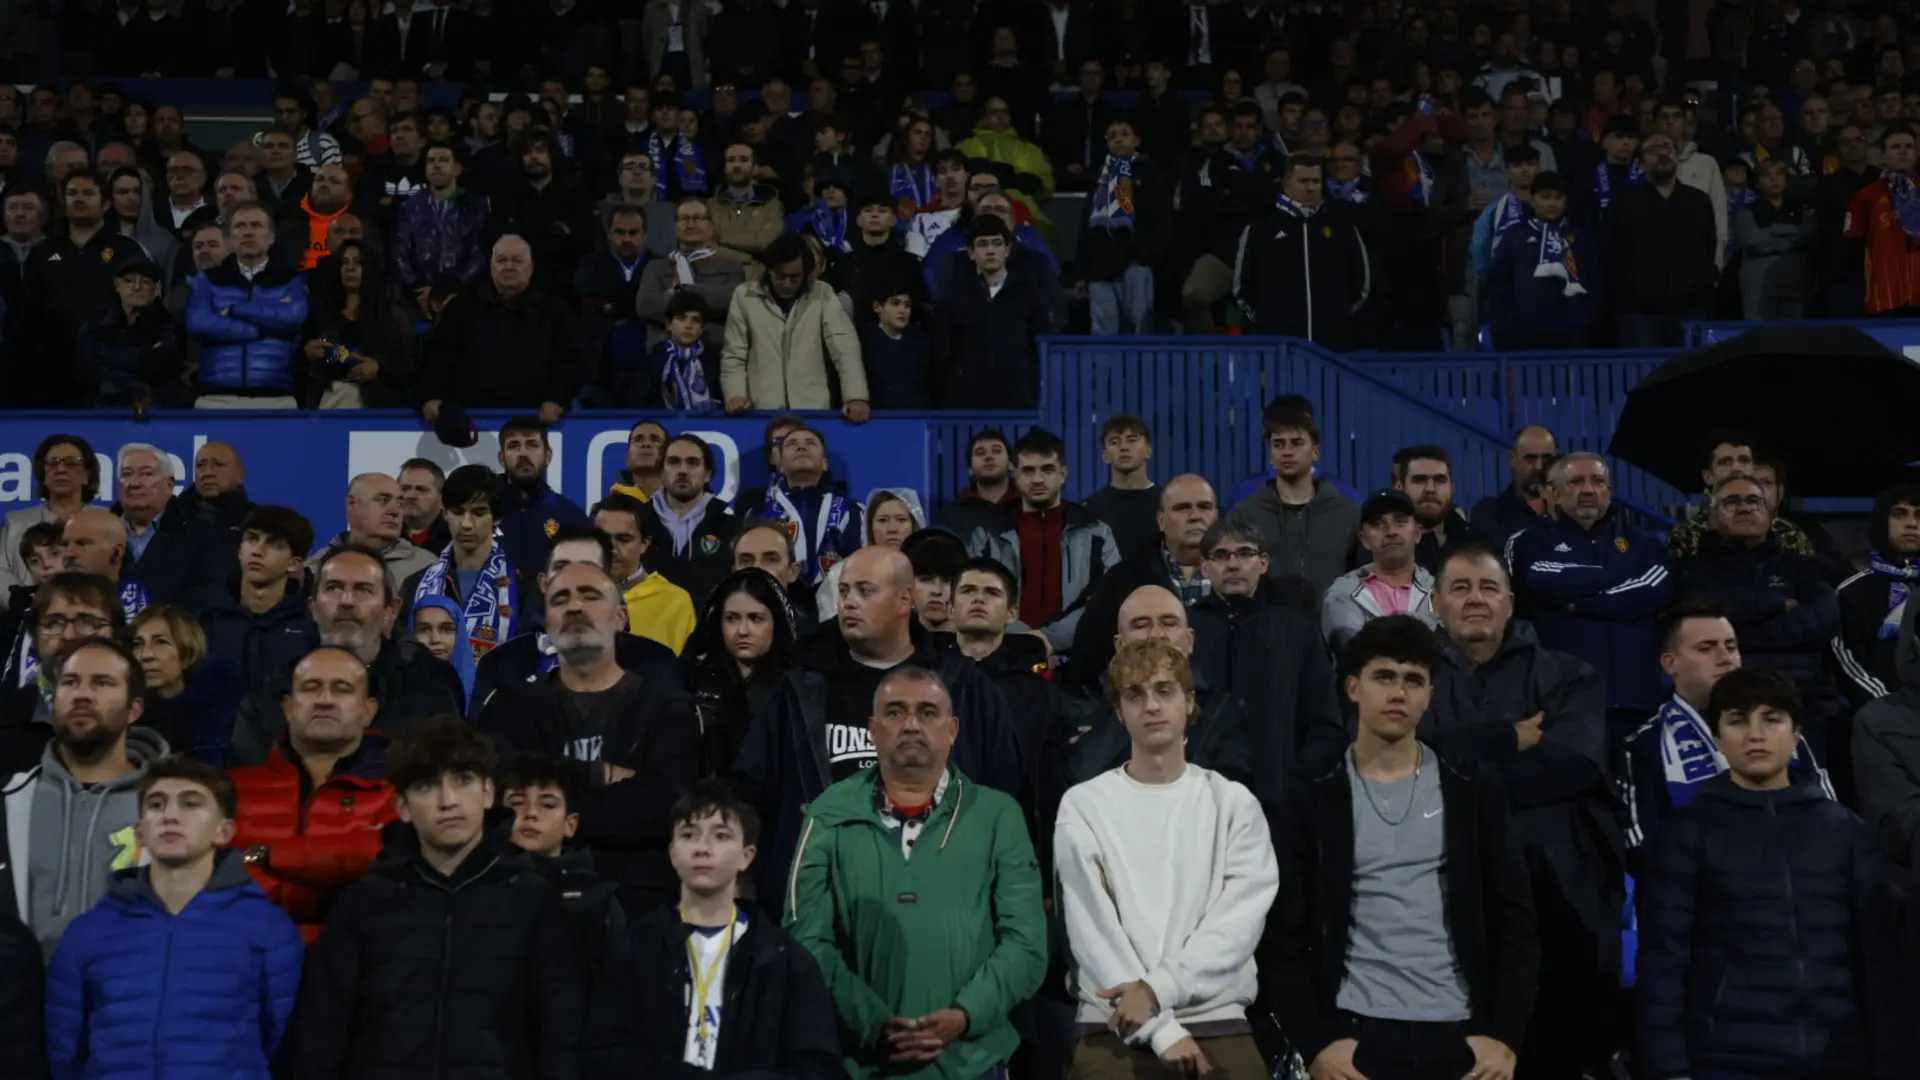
pixel 503 345
pixel 375 522
pixel 175 558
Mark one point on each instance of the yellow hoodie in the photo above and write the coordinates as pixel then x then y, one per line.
pixel 661 610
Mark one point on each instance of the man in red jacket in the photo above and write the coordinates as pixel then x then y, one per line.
pixel 309 818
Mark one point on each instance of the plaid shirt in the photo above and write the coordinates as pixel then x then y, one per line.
pixel 1190 590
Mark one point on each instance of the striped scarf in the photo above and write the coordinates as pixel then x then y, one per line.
pixel 490 615
pixel 1113 195
pixel 912 189
pixel 685 378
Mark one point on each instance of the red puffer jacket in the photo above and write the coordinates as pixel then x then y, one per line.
pixel 318 840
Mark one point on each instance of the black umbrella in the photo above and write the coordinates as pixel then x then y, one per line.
pixel 1841 409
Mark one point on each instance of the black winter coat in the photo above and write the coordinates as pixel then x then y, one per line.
pixel 518 660
pixel 1274 660
pixel 1660 255
pixel 489 353
pixel 627 824
pixel 23 1048
pixel 1489 906
pixel 986 344
pixel 867 272
pixel 126 363
pixel 181 565
pixel 1105 253
pixel 708 559
pixel 470 975
pixel 410 683
pixel 1303 277
pixel 592 906
pixel 1766 945
pixel 1100 621
pixel 779 1021
pixel 258 647
pixel 1755 584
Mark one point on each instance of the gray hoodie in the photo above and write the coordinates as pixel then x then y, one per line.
pixel 1312 542
pixel 78 834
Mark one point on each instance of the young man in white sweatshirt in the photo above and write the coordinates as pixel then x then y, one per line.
pixel 1166 873
pixel 1403 947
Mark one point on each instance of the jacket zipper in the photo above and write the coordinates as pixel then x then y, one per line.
pixel 446 957
pixel 166 971
pixel 1793 930
pixel 1306 267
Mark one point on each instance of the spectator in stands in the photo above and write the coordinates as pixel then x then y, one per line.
pixel 94 541
pixel 207 244
pixel 293 107
pixel 1822 868
pixel 825 523
pixel 1774 234
pixel 359 350
pixel 131 357
pixel 955 188
pixel 59 608
pixel 657 608
pixel 985 327
pixel 506 345
pixel 639 752
pixel 545 800
pixel 546 209
pixel 1495 691
pixel 516 995
pixel 1393 583
pixel 1592 585
pixel 1307 525
pixel 168 554
pixel 634 187
pixel 437 232
pixel 607 282
pixel 1873 602
pixel 189 702
pixel 1778 600
pixel 67 284
pixel 303 234
pixel 26 222
pixel 1591 196
pixel 747 215
pixel 692 268
pixel 1057 549
pixel 261 625
pixel 695 527
pixel 895 348
pixel 389 177
pixel 1236 187
pixel 874 260
pixel 986 602
pixel 1422 963
pixel 681 372
pixel 1171 556
pixel 782 333
pixel 946 259
pixel 1425 473
pixel 283 181
pixel 1697 169
pixel 1270 657
pixel 989 485
pixel 473 571
pixel 421 522
pixel 534 512
pixel 311 814
pixel 646 461
pixel 989 869
pixel 1077 127
pixel 1523 502
pixel 1729 452
pixel 1876 235
pixel 1507 212
pixel 1544 281
pixel 355 608
pixel 1126 232
pixel 1103 862
pixel 374 524
pixel 186 203
pixel 1660 239
pixel 78 808
pixel 216 988
pixel 1294 278
pixel 65 476
pixel 128 196
pixel 246 315
pixel 1130 503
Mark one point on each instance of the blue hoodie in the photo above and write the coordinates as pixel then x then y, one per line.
pixel 462 656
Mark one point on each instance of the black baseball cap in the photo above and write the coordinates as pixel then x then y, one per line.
pixel 1383 502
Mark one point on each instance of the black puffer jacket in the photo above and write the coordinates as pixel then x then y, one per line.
pixel 409 682
pixel 1756 584
pixel 1765 942
pixel 23 1048
pixel 471 974
pixel 490 353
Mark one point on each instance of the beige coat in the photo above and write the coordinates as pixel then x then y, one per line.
pixel 780 361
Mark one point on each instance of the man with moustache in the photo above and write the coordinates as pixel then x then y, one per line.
pixel 355 605
pixel 644 474
pixel 533 512
pixel 67 824
pixel 1425 473
pixel 1497 517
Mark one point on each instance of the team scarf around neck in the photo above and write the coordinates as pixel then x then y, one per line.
pixel 1689 756
pixel 1603 181
pixel 685 378
pixel 1906 204
pixel 1419 173
pixel 1303 212
pixel 1113 195
pixel 689 163
pixel 911 187
pixel 831 538
pixel 1556 257
pixel 133 601
pixel 1899 587
pixel 491 613
pixel 830 226
pixel 1357 190
pixel 683 263
pixel 1508 213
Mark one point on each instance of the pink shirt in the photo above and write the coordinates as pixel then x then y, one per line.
pixel 1391 598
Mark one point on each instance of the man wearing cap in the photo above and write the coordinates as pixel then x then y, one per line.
pixel 132 355
pixel 1392 584
pixel 246 315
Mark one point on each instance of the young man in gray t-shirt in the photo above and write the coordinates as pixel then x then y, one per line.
pixel 1403 944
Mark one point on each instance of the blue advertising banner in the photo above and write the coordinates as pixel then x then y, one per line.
pixel 304 460
pixel 1902 336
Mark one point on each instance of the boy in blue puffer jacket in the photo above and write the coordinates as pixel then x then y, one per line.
pixel 185 970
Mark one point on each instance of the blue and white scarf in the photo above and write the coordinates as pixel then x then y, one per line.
pixel 1508 213
pixel 492 613
pixel 835 535
pixel 689 163
pixel 133 601
pixel 1419 178
pixel 1113 195
pixel 1737 201
pixel 1689 755
pixel 1556 257
pixel 1282 202
pixel 1899 587
pixel 1905 199
pixel 1603 181
pixel 830 226
pixel 1357 190
pixel 684 379
pixel 911 187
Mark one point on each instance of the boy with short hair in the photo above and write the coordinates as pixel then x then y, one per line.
pixel 1130 503
pixel 40 552
pixel 1543 281
pixel 185 967
pixel 680 372
pixel 543 794
pixel 896 350
pixel 741 995
pixel 1766 947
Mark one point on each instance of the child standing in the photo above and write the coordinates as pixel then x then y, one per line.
pixel 681 372
pixel 896 351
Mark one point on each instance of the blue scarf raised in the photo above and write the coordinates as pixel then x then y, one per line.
pixel 1603 181
pixel 689 165
pixel 1899 587
pixel 1113 195
pixel 1556 257
pixel 1357 190
pixel 834 534
pixel 1906 204
pixel 684 379
pixel 911 187
pixel 830 226
pixel 489 616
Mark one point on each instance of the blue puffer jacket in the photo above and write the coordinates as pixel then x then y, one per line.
pixel 203 995
pixel 250 349
pixel 1766 946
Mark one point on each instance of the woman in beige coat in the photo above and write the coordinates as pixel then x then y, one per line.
pixel 783 331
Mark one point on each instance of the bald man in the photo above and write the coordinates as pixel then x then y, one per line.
pixel 374 523
pixel 94 541
pixel 812 731
pixel 1187 507
pixel 218 495
pixel 504 345
pixel 1524 502
pixel 632 742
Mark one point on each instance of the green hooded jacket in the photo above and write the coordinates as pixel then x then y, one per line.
pixel 959 924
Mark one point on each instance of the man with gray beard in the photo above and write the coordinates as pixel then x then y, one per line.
pixel 632 738
pixel 355 608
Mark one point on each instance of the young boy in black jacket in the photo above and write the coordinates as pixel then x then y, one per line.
pixel 543 794
pixel 897 352
pixel 1766 943
pixel 710 988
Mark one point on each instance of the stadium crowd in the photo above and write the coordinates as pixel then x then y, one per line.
pixel 1306 780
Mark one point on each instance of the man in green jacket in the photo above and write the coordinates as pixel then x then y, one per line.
pixel 917 891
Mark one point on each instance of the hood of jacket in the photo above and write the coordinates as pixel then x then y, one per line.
pixel 915 508
pixel 134 886
pixel 144 747
pixel 493 858
pixel 707 637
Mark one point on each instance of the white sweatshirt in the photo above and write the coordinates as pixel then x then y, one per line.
pixel 1169 883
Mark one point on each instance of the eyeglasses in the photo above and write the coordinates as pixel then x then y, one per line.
pixel 1242 554
pixel 1742 502
pixel 86 624
pixel 66 463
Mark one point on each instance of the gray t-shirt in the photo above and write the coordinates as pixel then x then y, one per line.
pixel 1400 965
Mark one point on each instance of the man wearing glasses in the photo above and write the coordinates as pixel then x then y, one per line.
pixel 635 188
pixel 689 266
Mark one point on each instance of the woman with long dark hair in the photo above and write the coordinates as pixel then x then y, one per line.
pixel 737 654
pixel 359 344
